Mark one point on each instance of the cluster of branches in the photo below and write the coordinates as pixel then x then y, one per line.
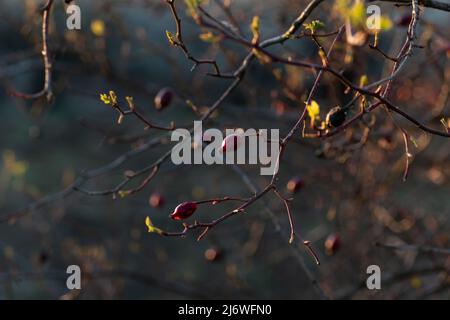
pixel 368 96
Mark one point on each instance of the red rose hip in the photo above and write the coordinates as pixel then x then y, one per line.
pixel 163 98
pixel 184 211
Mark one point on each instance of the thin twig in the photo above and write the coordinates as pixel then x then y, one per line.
pixel 47 89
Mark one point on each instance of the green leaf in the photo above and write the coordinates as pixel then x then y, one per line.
pixel 170 37
pixel 364 80
pixel 255 27
pixel 151 227
pixel 105 98
pixel 123 193
pixel 313 110
pixel 109 98
pixel 314 25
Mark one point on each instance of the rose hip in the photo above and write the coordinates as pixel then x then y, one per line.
pixel 184 211
pixel 163 98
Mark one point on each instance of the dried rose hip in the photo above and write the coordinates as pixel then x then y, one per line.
pixel 332 243
pixel 156 200
pixel 295 184
pixel 336 117
pixel 163 98
pixel 184 210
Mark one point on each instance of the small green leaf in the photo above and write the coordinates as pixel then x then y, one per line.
pixel 109 98
pixel 313 110
pixel 255 28
pixel 105 98
pixel 364 80
pixel 123 193
pixel 171 38
pixel 314 25
pixel 151 227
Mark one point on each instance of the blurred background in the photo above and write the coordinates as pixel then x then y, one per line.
pixel 352 196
